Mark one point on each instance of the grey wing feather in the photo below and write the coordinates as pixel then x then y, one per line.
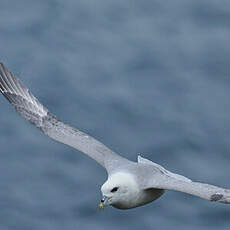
pixel 162 169
pixel 20 97
pixel 205 191
pixel 32 110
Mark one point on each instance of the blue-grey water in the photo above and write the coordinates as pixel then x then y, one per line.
pixel 150 77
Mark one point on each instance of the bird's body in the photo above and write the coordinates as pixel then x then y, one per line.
pixel 129 184
pixel 130 194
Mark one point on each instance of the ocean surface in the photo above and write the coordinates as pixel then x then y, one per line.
pixel 149 77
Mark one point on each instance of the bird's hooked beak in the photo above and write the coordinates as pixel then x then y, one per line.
pixel 104 202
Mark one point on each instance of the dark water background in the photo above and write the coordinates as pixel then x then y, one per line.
pixel 150 77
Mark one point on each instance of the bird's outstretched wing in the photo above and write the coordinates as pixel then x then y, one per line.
pixel 204 191
pixel 170 181
pixel 32 110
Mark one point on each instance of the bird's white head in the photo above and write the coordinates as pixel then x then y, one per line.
pixel 120 191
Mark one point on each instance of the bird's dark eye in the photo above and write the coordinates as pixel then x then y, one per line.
pixel 114 189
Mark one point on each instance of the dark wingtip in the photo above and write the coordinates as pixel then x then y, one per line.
pixel 216 197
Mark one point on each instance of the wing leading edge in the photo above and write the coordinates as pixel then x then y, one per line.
pixel 32 110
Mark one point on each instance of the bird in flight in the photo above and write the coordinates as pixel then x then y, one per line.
pixel 129 184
